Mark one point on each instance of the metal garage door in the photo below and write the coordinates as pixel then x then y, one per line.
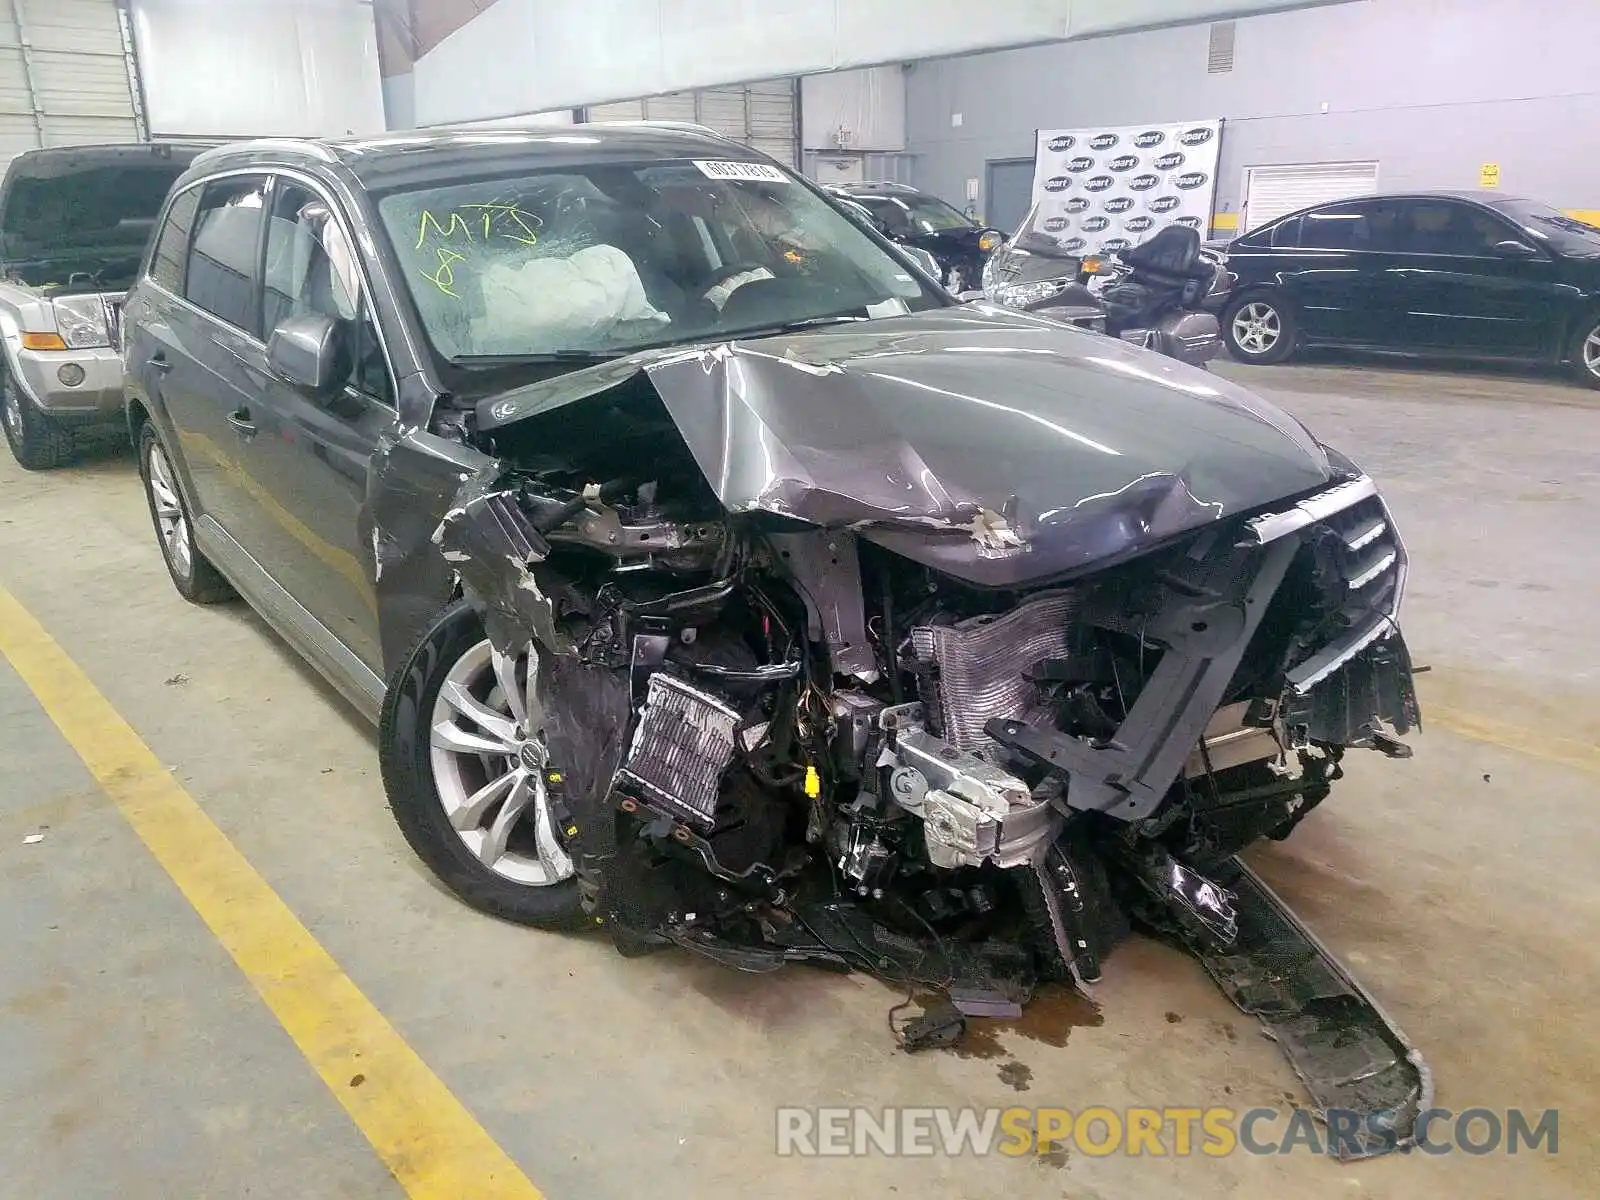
pixel 1270 192
pixel 66 75
pixel 761 115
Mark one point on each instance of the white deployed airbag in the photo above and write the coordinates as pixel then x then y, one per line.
pixel 561 303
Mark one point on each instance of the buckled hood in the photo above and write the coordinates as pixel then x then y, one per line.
pixel 993 445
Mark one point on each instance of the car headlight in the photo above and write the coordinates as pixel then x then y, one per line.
pixel 988 240
pixel 1025 295
pixel 81 321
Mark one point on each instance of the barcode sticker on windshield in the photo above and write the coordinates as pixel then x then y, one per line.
pixel 753 171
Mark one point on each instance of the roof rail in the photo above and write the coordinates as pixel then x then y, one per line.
pixel 688 126
pixel 298 145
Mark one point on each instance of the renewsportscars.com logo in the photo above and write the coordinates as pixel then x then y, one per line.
pixel 1158 1132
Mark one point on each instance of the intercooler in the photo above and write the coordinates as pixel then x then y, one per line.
pixel 979 666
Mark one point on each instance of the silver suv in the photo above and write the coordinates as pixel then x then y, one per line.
pixel 74 223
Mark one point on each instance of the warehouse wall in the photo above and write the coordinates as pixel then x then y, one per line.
pixel 524 55
pixel 1430 89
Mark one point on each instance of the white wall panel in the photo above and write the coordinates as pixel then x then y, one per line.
pixel 527 55
pixel 466 78
pixel 254 67
pixel 869 103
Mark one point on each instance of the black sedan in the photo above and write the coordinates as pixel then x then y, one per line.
pixel 913 218
pixel 1473 274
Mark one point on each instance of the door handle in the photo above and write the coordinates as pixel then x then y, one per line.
pixel 158 362
pixel 242 424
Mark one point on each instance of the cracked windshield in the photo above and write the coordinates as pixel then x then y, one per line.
pixel 610 259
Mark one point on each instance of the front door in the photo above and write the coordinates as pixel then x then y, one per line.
pixel 310 456
pixel 1463 295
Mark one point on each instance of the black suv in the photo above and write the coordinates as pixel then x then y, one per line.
pixel 1473 274
pixel 959 245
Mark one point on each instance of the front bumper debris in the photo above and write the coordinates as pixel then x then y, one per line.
pixel 1369 1083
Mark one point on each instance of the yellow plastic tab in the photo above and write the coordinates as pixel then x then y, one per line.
pixel 813 784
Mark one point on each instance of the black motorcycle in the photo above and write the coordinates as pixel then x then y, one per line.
pixel 1163 294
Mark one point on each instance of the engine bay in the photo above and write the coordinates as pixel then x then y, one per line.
pixel 798 745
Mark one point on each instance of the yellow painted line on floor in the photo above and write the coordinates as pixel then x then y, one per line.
pixel 1566 752
pixel 423 1134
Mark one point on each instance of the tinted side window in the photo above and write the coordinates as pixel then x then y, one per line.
pixel 1286 234
pixel 311 268
pixel 1343 227
pixel 167 260
pixel 894 216
pixel 225 259
pixel 1446 227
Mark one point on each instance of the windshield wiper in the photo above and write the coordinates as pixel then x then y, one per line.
pixel 789 326
pixel 542 356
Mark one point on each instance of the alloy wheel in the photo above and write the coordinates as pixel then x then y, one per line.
pixel 171 521
pixel 1591 352
pixel 1257 327
pixel 490 765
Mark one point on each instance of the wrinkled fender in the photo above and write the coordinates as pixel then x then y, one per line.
pixel 412 481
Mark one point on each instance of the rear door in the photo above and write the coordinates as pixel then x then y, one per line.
pixel 201 354
pixel 310 456
pixel 1461 295
pixel 1340 274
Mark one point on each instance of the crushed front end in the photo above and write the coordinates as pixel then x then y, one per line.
pixel 784 742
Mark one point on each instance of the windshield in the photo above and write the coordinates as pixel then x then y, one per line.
pixel 614 258
pixel 1564 234
pixel 913 214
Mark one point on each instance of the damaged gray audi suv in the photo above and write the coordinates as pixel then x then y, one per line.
pixel 718 581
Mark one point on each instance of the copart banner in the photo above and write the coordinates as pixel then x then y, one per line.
pixel 1105 189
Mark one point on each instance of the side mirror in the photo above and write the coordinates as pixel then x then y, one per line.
pixel 1511 248
pixel 310 352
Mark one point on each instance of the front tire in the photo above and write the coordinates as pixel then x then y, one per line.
pixel 1260 329
pixel 37 442
pixel 464 765
pixel 1585 354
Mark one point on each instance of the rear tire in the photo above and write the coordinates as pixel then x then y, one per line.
pixel 519 873
pixel 1260 329
pixel 37 442
pixel 1585 353
pixel 192 574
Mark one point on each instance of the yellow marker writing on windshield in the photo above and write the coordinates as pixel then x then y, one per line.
pixel 443 231
pixel 445 277
pixel 510 211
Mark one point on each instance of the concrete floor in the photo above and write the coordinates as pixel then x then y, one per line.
pixel 1460 885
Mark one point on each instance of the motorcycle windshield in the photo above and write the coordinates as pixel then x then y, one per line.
pixel 1035 254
